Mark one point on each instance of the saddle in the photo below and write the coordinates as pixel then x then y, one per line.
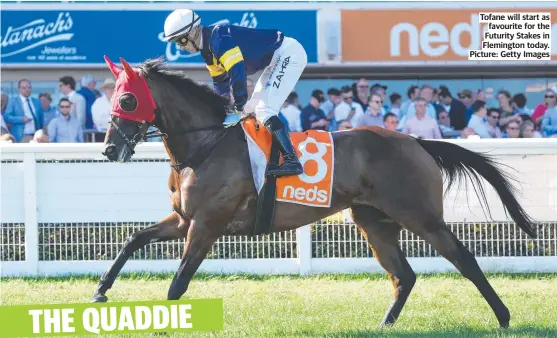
pixel 313 187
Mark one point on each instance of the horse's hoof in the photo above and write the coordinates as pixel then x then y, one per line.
pixel 385 325
pixel 504 319
pixel 99 298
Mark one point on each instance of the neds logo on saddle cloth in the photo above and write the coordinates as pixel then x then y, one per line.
pixel 315 151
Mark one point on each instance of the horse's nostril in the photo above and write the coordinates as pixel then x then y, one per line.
pixel 109 150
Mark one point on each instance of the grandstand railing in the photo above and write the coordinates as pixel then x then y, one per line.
pixel 66 210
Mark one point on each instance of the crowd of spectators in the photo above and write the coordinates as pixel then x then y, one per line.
pixel 423 111
pixel 27 119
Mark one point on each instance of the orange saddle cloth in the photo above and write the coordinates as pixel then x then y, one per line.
pixel 315 150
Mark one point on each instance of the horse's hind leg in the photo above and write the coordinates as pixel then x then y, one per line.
pixel 165 230
pixel 448 245
pixel 381 234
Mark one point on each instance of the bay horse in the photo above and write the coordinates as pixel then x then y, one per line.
pixel 389 180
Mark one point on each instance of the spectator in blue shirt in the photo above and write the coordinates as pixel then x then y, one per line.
pixel 49 111
pixel 24 113
pixel 65 128
pixel 328 107
pixel 312 116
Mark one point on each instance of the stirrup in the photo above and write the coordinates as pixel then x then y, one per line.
pixel 290 167
pixel 231 119
pixel 281 171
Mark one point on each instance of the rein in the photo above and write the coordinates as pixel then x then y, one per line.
pixel 207 145
pixel 139 137
pixel 193 159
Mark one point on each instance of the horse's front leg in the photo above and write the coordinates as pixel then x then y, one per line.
pixel 172 227
pixel 199 241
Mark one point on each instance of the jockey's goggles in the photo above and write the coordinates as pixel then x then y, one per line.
pixel 182 40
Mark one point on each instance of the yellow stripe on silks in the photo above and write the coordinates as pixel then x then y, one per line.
pixel 215 70
pixel 231 57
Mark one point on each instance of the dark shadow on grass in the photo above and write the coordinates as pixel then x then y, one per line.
pixel 145 276
pixel 458 332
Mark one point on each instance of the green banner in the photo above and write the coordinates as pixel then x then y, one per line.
pixel 111 318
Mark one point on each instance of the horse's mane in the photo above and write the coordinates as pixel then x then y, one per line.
pixel 219 105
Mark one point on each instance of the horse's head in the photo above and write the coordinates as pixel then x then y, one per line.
pixel 133 110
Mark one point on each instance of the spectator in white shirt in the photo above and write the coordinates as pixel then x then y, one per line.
pixel 477 121
pixel 413 93
pixel 492 123
pixel 348 109
pixel 344 125
pixel 444 121
pixel 101 109
pixel 292 113
pixel 5 135
pixel 422 125
pixel 79 107
pixel 426 92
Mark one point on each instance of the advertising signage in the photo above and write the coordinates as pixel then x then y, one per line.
pixel 420 35
pixel 82 37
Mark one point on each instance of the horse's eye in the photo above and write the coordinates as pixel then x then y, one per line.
pixel 128 102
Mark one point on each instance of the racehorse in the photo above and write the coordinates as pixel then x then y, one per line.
pixel 389 180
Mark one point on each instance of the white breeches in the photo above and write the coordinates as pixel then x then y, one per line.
pixel 277 80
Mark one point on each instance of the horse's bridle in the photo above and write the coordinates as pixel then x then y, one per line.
pixel 140 137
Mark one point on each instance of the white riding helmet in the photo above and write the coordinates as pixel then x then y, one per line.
pixel 180 22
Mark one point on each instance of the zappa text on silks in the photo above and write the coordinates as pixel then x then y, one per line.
pixel 112 318
pixel 281 72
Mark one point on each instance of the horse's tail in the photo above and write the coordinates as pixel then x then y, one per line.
pixel 457 162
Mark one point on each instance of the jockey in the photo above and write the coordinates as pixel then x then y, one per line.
pixel 233 52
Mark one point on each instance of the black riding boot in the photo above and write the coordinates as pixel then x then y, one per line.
pixel 291 165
